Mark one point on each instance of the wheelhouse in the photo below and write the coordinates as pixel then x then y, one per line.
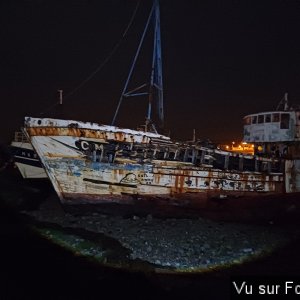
pixel 277 126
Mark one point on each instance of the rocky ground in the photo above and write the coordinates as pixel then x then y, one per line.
pixel 180 244
pixel 174 243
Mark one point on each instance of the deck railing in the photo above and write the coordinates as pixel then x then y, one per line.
pixel 20 137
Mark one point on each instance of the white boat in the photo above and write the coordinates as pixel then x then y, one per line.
pixel 25 158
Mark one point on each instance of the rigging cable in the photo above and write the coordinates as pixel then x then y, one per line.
pixel 114 49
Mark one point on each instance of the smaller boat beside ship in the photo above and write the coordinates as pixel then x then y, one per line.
pixel 25 158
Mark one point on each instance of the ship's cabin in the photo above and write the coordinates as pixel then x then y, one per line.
pixel 276 126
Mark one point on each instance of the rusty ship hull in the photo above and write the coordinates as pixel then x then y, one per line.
pixel 95 164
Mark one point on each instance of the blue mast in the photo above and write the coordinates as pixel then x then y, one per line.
pixel 156 84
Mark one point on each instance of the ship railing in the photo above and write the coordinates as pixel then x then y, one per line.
pixel 20 137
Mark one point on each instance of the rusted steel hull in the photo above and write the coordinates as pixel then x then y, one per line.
pixel 129 183
pixel 92 165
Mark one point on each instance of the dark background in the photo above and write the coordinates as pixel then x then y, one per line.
pixel 221 61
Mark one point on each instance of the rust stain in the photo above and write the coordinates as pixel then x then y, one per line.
pixel 85 133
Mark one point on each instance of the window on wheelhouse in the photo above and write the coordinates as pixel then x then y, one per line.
pixel 267 118
pixel 275 117
pixel 254 119
pixel 285 121
pixel 261 118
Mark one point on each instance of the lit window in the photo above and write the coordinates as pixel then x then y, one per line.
pixel 285 121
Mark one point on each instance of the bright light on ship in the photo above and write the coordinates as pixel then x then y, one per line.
pixel 241 147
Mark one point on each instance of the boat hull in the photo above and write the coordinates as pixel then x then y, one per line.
pixel 81 181
pixel 81 176
pixel 27 161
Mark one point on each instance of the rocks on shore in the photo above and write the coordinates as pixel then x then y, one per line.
pixel 183 244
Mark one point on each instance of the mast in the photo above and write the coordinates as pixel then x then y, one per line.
pixel 155 92
pixel 284 102
pixel 156 82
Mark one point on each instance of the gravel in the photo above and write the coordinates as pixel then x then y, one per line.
pixel 181 244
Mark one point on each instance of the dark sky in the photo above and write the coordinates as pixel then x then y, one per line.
pixel 221 61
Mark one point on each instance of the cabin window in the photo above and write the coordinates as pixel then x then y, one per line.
pixel 254 119
pixel 247 121
pixel 260 118
pixel 275 117
pixel 268 118
pixel 285 121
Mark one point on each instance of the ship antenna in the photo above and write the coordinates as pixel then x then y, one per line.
pixel 284 102
pixel 60 96
pixel 286 105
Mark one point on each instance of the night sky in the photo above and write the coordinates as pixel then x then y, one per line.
pixel 221 60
